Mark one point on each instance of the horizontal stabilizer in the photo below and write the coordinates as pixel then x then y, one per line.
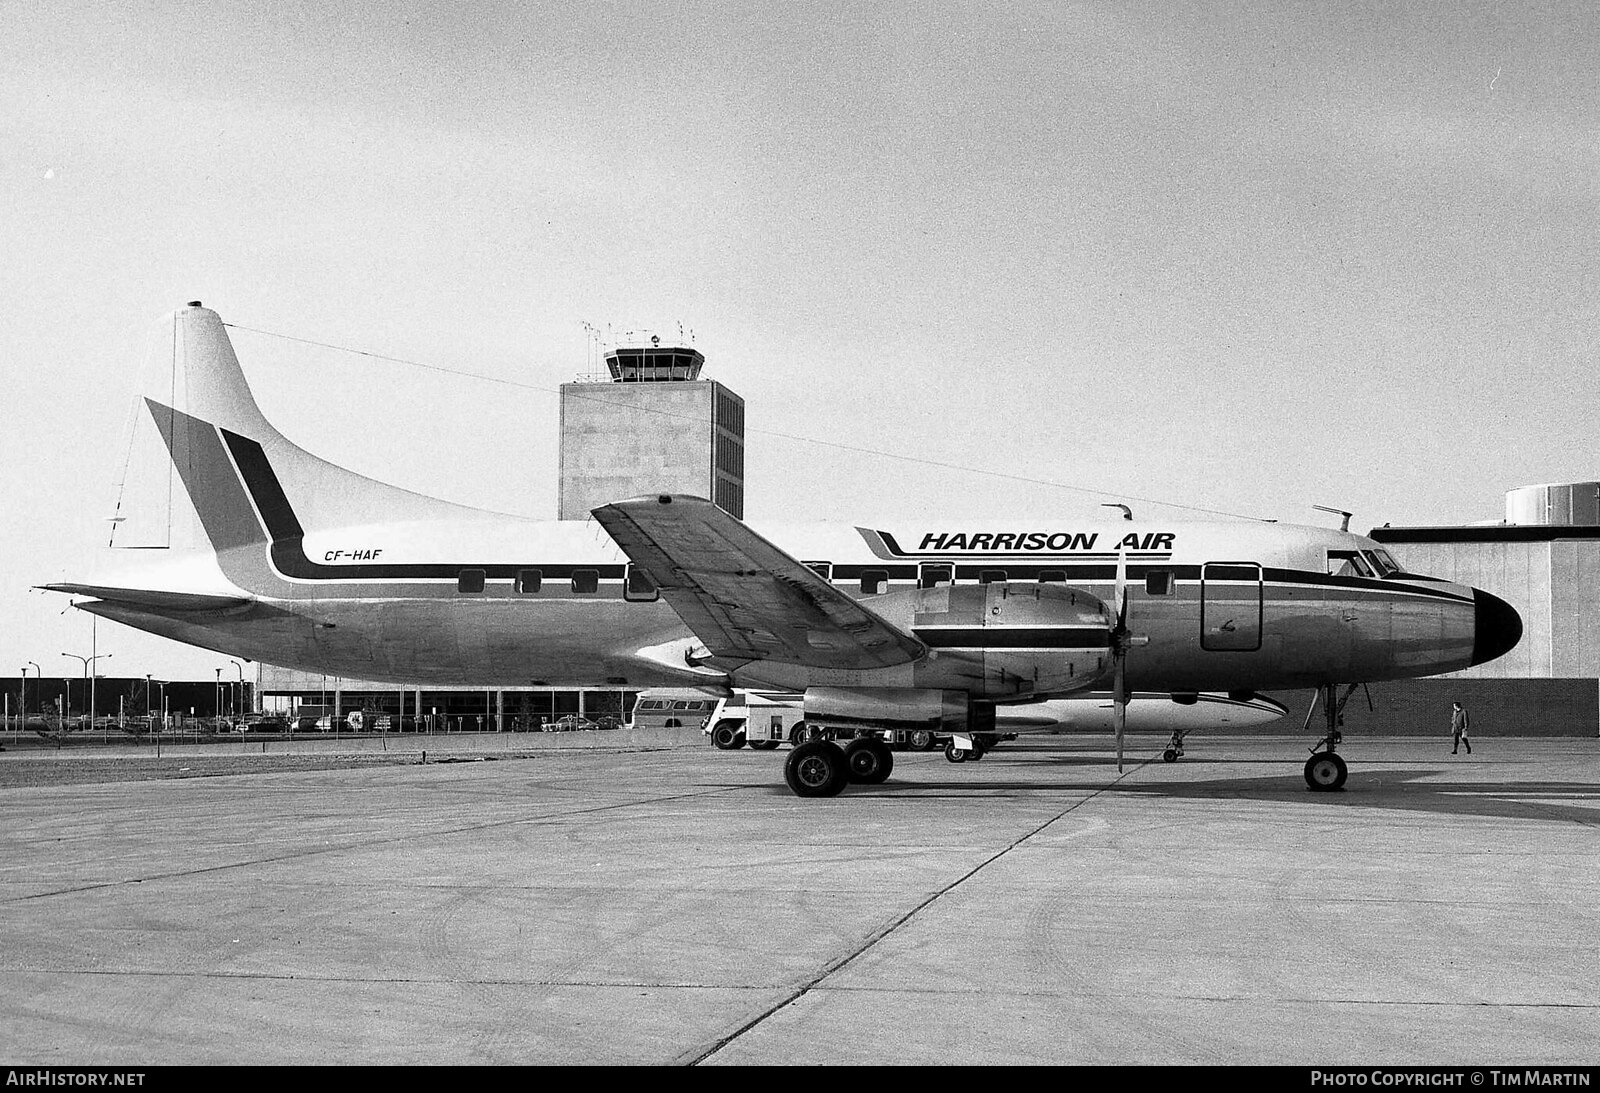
pixel 148 597
pixel 742 596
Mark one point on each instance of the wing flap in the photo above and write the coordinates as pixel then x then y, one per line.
pixel 742 596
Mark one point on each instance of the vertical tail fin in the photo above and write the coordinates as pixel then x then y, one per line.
pixel 193 370
pixel 247 482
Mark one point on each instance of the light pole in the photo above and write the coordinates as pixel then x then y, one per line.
pixel 238 706
pixel 39 676
pixel 88 683
pixel 216 701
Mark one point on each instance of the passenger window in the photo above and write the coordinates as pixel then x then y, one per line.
pixel 470 580
pixel 638 587
pixel 529 580
pixel 585 580
pixel 990 576
pixel 874 581
pixel 934 574
pixel 1052 576
pixel 1158 582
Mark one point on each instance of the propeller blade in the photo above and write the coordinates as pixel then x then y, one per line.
pixel 1120 595
pixel 1119 656
pixel 1119 706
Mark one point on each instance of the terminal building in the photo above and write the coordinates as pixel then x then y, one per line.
pixel 649 424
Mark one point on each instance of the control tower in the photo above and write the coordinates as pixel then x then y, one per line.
pixel 652 426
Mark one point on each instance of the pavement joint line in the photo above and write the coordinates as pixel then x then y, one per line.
pixel 1075 993
pixel 890 927
pixel 133 973
pixel 309 852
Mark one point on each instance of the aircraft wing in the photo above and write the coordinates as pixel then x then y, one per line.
pixel 742 596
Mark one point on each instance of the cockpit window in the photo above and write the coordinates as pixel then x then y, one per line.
pixel 1384 562
pixel 1348 563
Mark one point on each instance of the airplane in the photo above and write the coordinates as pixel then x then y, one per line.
pixel 931 624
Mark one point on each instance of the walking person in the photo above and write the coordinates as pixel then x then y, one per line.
pixel 1458 730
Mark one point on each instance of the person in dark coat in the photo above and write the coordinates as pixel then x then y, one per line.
pixel 1458 730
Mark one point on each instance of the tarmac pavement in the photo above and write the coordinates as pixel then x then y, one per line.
pixel 609 898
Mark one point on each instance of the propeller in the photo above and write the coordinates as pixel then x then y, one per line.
pixel 1121 641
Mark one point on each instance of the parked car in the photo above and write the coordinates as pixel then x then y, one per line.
pixel 608 722
pixel 570 723
pixel 263 724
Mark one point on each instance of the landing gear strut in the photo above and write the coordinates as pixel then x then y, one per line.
pixel 1325 770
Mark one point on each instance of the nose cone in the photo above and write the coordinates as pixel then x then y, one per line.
pixel 1496 627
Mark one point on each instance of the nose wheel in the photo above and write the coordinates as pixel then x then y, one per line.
pixel 1326 771
pixel 1174 750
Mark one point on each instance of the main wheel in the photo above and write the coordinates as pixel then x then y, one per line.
pixel 1326 771
pixel 868 760
pixel 727 735
pixel 816 768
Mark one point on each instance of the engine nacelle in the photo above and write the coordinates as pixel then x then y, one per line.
pixel 1005 638
pixel 897 709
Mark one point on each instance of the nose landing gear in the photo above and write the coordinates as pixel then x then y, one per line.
pixel 1174 750
pixel 1325 770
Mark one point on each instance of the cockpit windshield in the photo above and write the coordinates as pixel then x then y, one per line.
pixel 1383 562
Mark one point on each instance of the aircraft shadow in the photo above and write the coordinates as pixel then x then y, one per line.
pixel 1416 787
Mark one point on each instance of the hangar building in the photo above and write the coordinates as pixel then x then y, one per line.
pixel 1544 560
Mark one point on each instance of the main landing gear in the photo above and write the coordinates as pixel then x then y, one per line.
pixel 1325 770
pixel 821 768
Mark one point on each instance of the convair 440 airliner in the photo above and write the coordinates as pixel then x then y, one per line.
pixel 932 625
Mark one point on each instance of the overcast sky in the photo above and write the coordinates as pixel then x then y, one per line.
pixel 1249 257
